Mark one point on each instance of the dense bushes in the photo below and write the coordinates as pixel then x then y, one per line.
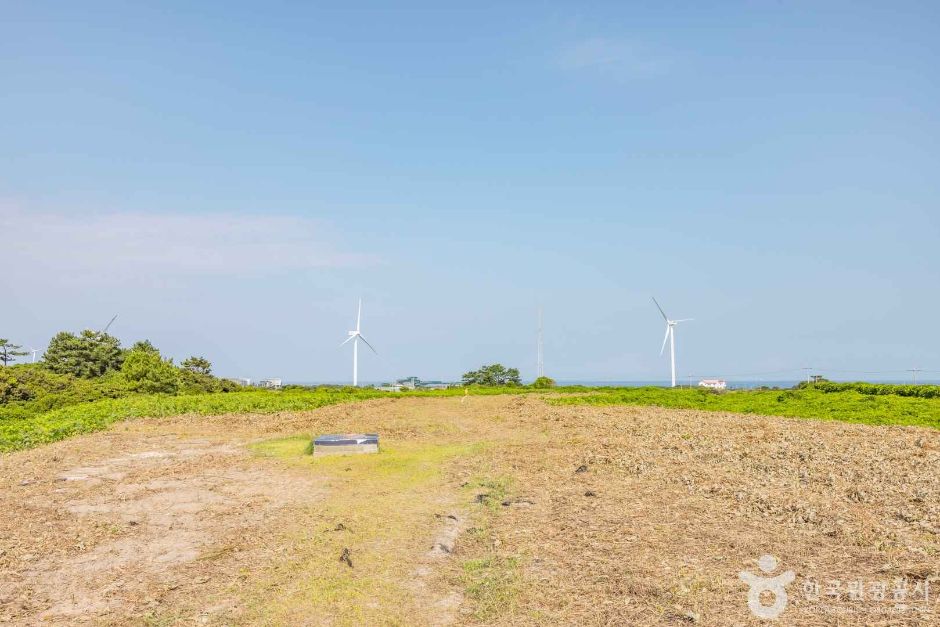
pixel 147 372
pixel 43 389
pixel 493 375
pixel 87 355
pixel 92 366
pixel 877 389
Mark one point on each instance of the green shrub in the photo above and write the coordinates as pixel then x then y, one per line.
pixel 876 389
pixel 147 372
pixel 89 354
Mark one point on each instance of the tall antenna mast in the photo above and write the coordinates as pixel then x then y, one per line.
pixel 540 367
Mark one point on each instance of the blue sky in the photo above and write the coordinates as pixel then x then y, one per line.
pixel 231 177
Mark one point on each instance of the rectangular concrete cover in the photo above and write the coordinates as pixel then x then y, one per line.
pixel 346 444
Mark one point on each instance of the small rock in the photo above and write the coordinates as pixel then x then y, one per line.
pixel 582 468
pixel 908 516
pixel 590 493
pixel 857 496
pixel 345 558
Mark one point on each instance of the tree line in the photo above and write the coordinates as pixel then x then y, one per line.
pixel 78 367
pixel 498 375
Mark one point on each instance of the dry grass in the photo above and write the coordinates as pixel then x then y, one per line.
pixel 498 510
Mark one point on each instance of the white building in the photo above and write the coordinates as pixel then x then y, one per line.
pixel 389 388
pixel 271 384
pixel 713 384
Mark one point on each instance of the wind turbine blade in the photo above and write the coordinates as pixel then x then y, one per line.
pixel 666 337
pixel 367 344
pixel 108 326
pixel 349 339
pixel 660 310
pixel 685 320
pixel 359 315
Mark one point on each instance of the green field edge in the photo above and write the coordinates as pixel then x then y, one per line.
pixel 844 405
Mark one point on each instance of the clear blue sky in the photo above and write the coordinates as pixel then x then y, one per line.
pixel 230 177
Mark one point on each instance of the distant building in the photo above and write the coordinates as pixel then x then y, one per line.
pixel 414 383
pixel 271 384
pixel 409 383
pixel 713 384
pixel 388 387
pixel 433 385
pixel 241 381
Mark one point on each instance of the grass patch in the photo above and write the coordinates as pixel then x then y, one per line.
pixel 492 584
pixel 490 491
pixel 847 406
pixel 384 508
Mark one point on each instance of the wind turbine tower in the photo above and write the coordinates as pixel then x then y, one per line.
pixel 355 337
pixel 671 337
pixel 540 363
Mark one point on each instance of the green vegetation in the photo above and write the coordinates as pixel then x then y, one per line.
pixel 542 383
pixel 86 382
pixel 93 366
pixel 880 389
pixel 72 420
pixel 145 371
pixel 846 405
pixel 493 375
pixel 9 352
pixel 87 355
pixel 492 584
pixel 381 510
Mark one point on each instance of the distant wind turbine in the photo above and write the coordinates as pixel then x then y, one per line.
pixel 355 337
pixel 33 351
pixel 108 326
pixel 671 337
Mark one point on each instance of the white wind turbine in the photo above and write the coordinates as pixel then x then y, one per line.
pixel 33 351
pixel 354 337
pixel 671 336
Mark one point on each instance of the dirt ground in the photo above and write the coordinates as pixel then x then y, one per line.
pixel 488 510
